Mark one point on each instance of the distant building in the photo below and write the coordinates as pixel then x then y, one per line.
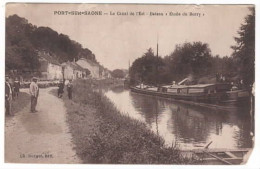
pixel 50 69
pixel 104 73
pixel 91 66
pixel 73 71
pixel 107 73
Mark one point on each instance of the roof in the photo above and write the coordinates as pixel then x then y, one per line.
pixel 74 66
pixel 190 86
pixel 202 85
pixel 89 61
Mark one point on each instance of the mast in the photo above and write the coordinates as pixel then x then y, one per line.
pixel 157 62
pixel 128 70
pixel 157 48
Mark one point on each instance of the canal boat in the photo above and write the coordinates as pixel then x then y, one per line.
pixel 218 156
pixel 219 93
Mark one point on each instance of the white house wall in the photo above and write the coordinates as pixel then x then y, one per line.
pixel 68 73
pixel 54 72
pixel 94 70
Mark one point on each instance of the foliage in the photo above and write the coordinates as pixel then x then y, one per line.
pixel 20 53
pixel 244 50
pixel 24 39
pixel 117 73
pixel 196 61
pixel 189 58
pixel 146 68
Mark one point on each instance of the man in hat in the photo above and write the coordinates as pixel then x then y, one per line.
pixel 34 91
pixel 8 96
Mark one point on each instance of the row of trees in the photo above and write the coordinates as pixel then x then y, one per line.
pixel 23 39
pixel 119 73
pixel 196 61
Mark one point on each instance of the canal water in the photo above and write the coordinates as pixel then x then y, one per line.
pixel 187 126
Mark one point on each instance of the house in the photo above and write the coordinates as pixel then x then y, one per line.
pixel 50 68
pixel 106 73
pixel 74 71
pixel 91 66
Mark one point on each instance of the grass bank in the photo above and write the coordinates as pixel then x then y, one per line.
pixel 103 135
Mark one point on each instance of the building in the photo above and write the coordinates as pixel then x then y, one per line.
pixel 106 73
pixel 50 68
pixel 91 66
pixel 74 71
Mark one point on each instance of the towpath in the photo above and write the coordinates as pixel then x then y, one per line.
pixel 41 137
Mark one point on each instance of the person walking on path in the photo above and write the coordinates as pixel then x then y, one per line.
pixel 8 96
pixel 61 88
pixel 34 91
pixel 69 89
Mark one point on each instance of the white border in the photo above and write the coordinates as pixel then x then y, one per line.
pixel 254 161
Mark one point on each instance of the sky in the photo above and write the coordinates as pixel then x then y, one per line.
pixel 117 40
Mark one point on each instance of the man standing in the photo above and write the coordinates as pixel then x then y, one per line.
pixel 16 87
pixel 69 89
pixel 8 96
pixel 34 91
pixel 60 88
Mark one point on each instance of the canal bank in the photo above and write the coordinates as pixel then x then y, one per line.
pixel 102 134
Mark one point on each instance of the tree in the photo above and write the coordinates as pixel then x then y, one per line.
pixel 20 52
pixel 146 69
pixel 189 59
pixel 24 39
pixel 117 73
pixel 244 50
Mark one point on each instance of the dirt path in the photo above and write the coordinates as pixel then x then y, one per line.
pixel 41 137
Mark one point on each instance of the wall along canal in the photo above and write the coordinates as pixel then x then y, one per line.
pixel 189 126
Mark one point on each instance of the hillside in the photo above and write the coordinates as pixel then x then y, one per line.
pixel 23 40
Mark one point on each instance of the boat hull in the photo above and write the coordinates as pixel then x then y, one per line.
pixel 238 98
pixel 198 97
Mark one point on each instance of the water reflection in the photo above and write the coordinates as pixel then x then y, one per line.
pixel 188 126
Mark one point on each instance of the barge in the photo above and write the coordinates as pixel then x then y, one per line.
pixel 220 93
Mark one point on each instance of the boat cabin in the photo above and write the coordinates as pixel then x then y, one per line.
pixel 196 89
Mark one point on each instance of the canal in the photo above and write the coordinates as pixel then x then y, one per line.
pixel 185 125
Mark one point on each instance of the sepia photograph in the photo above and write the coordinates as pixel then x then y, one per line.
pixel 129 83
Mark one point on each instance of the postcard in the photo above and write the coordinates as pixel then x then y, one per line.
pixel 129 84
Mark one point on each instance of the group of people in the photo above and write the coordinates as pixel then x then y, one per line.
pixel 12 92
pixel 220 78
pixel 236 84
pixel 34 91
pixel 61 86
